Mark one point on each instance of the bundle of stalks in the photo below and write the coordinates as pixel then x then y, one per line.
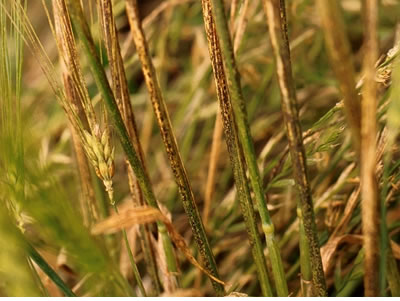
pixel 199 148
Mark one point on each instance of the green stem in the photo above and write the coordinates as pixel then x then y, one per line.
pixel 246 141
pixel 43 289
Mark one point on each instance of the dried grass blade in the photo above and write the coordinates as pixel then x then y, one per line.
pixel 125 219
pixel 342 63
pixel 214 156
pixel 329 249
pixel 242 23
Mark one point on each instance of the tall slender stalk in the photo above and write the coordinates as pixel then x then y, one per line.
pixel 276 17
pixel 338 47
pixel 369 186
pixel 246 141
pixel 121 93
pixel 100 77
pixel 162 116
pixel 234 148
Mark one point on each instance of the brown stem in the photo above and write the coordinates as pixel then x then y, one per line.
pixel 369 187
pixel 342 63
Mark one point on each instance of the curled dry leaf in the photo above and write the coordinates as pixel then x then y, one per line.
pixel 144 215
pixel 329 249
pixel 126 219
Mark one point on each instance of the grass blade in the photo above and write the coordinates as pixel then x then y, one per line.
pixel 39 260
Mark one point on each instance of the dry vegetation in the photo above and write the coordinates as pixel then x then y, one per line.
pixel 199 148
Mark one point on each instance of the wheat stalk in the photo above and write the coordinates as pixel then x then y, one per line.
pixel 369 185
pixel 246 141
pixel 234 148
pixel 276 17
pixel 170 143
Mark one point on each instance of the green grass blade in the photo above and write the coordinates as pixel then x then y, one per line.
pixel 39 260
